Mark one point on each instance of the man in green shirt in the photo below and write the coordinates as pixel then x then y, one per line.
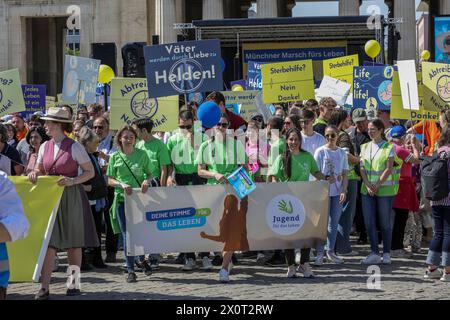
pixel 326 107
pixel 156 150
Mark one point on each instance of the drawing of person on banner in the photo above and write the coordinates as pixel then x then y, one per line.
pixel 443 45
pixel 233 225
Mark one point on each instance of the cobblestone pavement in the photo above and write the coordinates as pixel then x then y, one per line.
pixel 401 280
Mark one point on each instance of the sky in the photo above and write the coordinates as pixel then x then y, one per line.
pixel 331 8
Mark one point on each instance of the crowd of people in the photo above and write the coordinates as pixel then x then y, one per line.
pixel 372 167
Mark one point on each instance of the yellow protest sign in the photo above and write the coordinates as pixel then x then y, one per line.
pixel 129 101
pixel 397 110
pixel 39 201
pixel 11 94
pixel 436 86
pixel 245 100
pixel 341 68
pixel 50 102
pixel 288 81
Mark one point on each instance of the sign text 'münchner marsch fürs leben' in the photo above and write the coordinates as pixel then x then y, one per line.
pixel 182 68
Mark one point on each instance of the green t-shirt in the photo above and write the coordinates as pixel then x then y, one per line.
pixel 157 153
pixel 215 156
pixel 302 165
pixel 182 153
pixel 139 164
pixel 279 145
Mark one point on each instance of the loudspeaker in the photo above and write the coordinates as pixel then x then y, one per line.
pixel 106 52
pixel 133 60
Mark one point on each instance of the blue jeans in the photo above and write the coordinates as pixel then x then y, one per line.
pixel 123 227
pixel 380 207
pixel 440 245
pixel 334 215
pixel 343 245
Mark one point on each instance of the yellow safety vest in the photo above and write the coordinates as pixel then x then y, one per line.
pixel 375 167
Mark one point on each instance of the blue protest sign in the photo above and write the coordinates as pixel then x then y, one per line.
pixel 241 182
pixel 34 96
pixel 254 81
pixel 183 68
pixel 372 87
pixel 80 80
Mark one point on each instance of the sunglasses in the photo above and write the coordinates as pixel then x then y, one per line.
pixel 258 119
pixel 186 127
pixel 223 125
pixel 287 122
pixel 305 121
pixel 98 127
pixel 330 136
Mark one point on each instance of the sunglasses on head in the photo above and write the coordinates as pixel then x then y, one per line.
pixel 222 124
pixel 189 127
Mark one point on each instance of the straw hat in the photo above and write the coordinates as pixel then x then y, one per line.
pixel 57 115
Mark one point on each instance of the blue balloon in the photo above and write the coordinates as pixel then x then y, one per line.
pixel 209 114
pixel 222 64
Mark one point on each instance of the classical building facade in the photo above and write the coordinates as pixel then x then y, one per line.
pixel 32 32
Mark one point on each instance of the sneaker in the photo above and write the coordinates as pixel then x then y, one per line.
pixel 306 270
pixel 334 258
pixel 110 257
pixel 372 259
pixel 73 292
pixel 42 295
pixel 445 277
pixel 154 263
pixel 435 274
pixel 349 254
pixel 224 276
pixel 401 253
pixel 297 257
pixel 318 261
pixel 180 259
pixel 260 258
pixel 206 264
pixel 291 272
pixel 131 278
pixel 146 268
pixel 275 261
pixel 386 258
pixel 217 260
pixel 189 265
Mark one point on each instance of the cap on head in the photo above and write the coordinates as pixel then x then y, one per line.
pixel 359 115
pixel 398 132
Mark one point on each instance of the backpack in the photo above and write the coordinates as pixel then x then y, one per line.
pixel 434 176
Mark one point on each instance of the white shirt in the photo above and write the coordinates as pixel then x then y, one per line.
pixel 12 215
pixel 79 154
pixel 312 143
pixel 107 147
pixel 332 163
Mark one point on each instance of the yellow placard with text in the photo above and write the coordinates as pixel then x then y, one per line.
pixel 40 201
pixel 436 86
pixel 288 81
pixel 11 94
pixel 129 101
pixel 341 68
pixel 397 110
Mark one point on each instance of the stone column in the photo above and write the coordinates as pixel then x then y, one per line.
pixel 444 7
pixel 407 29
pixel 349 7
pixel 267 9
pixel 165 19
pixel 213 9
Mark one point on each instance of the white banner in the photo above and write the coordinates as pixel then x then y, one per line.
pixel 212 218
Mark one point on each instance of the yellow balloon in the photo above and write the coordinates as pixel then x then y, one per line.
pixel 105 74
pixel 372 48
pixel 426 55
pixel 237 88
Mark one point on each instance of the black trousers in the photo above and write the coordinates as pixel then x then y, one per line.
pixel 98 219
pixel 112 239
pixel 359 218
pixel 194 180
pixel 290 256
pixel 398 232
